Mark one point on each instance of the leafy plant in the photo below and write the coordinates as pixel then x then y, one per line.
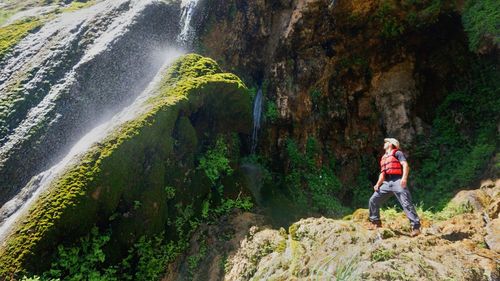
pixel 170 191
pixel 272 113
pixel 481 18
pixel 193 261
pixel 215 161
pixel 382 254
pixel 463 140
pixel 310 183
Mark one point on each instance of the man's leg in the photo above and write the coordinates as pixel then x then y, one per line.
pixel 377 199
pixel 404 197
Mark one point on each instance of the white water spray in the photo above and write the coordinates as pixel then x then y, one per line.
pixel 185 37
pixel 13 209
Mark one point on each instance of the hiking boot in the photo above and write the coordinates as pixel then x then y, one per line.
pixel 372 225
pixel 415 232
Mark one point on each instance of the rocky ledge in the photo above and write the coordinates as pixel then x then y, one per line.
pixel 458 243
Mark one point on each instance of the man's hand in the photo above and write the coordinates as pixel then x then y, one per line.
pixel 375 187
pixel 403 183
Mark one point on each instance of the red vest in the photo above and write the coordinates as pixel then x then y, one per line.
pixel 390 165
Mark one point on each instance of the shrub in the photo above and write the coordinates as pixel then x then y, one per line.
pixel 312 184
pixel 463 139
pixel 382 254
pixel 215 162
pixel 272 113
pixel 481 18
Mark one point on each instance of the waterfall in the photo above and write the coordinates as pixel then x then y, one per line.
pixel 19 203
pixel 257 113
pixel 185 37
pixel 10 211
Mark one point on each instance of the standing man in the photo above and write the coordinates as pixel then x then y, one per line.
pixel 393 179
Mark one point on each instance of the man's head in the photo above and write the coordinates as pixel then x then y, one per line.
pixel 391 143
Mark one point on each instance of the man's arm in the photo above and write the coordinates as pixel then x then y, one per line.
pixel 379 182
pixel 406 171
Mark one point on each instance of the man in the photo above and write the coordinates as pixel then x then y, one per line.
pixel 393 179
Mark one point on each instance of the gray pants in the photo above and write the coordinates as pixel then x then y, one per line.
pixel 402 194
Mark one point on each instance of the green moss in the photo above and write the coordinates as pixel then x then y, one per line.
pixel 76 5
pixel 130 165
pixel 5 15
pixel 11 34
pixel 281 247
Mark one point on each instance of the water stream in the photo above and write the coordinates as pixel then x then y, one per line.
pixel 257 113
pixel 12 210
pixel 186 35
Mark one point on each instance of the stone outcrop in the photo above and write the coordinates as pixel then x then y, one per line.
pixel 327 249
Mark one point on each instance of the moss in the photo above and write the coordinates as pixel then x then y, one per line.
pixel 5 15
pixel 129 165
pixel 293 231
pixel 281 247
pixel 76 5
pixel 11 34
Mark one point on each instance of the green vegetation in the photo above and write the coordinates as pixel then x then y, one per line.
pixel 193 261
pixel 463 141
pixel 271 114
pixel 382 254
pixel 5 15
pixel 346 270
pixel 310 182
pixel 146 260
pixel 11 34
pixel 481 18
pixel 395 18
pixel 215 162
pixel 76 5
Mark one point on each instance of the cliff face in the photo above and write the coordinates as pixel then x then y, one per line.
pixel 347 73
pixel 336 76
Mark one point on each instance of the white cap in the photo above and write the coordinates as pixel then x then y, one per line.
pixel 393 141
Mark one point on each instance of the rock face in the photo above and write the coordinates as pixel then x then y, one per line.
pixel 347 73
pixel 327 249
pixel 125 176
pixel 72 73
pixel 395 94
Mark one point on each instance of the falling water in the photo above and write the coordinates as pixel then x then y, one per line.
pixel 10 211
pixel 185 37
pixel 257 112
